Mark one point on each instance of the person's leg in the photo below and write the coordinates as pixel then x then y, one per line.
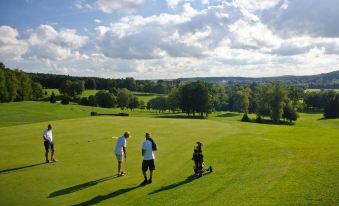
pixel 52 155
pixel 150 176
pixel 52 151
pixel 151 169
pixel 46 155
pixel 119 167
pixel 144 170
pixel 46 145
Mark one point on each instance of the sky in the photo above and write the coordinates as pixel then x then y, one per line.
pixel 167 39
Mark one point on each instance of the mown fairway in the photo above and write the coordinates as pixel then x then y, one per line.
pixel 255 164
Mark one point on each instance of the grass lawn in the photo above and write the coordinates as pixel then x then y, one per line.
pixel 147 96
pixel 255 164
pixel 141 96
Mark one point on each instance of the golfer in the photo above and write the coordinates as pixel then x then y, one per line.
pixel 48 143
pixel 120 151
pixel 148 148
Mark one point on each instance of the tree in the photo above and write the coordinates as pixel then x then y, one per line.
pixel 262 101
pixel 296 94
pixel 123 98
pixel 195 98
pixel 331 110
pixel 92 101
pixel 278 96
pixel 241 100
pixel 133 102
pixel 142 105
pixel 289 112
pixel 24 86
pixel 37 91
pixel 173 100
pixel 52 98
pixel 3 86
pixel 12 85
pixel 72 88
pixel 105 99
pixel 91 84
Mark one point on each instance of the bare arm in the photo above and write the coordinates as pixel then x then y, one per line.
pixel 45 139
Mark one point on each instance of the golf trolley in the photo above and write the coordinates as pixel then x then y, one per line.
pixel 198 158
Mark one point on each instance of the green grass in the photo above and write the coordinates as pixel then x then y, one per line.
pixel 141 96
pixel 147 96
pixel 17 113
pixel 255 164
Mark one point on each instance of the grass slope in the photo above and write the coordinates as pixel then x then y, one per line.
pixel 255 164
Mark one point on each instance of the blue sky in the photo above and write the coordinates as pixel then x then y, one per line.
pixel 152 39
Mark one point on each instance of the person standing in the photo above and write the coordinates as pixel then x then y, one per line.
pixel 120 151
pixel 48 143
pixel 148 148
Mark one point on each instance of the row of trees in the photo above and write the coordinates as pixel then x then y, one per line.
pixel 53 81
pixel 326 101
pixel 123 98
pixel 15 85
pixel 274 100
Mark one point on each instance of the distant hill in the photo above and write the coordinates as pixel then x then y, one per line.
pixel 326 80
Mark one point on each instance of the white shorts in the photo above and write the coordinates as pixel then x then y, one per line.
pixel 119 157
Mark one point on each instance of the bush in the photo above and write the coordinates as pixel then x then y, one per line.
pixel 65 100
pixel 52 98
pixel 84 101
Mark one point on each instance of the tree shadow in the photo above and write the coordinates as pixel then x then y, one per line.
pixel 20 168
pixel 183 182
pixel 269 122
pixel 180 117
pixel 100 198
pixel 82 186
pixel 228 114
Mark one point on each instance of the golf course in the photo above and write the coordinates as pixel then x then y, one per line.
pixel 254 164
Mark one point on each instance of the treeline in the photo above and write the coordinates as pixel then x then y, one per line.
pixel 275 100
pixel 53 81
pixel 326 101
pixel 121 98
pixel 16 85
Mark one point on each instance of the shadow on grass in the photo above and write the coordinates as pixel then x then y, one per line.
pixel 178 184
pixel 270 122
pixel 228 115
pixel 100 198
pixel 180 117
pixel 82 186
pixel 20 168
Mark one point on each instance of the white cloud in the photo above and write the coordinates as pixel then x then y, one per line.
pixel 108 6
pixel 47 43
pixel 304 17
pixel 194 38
pixel 10 46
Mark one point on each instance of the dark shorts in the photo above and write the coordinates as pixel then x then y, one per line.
pixel 48 146
pixel 148 164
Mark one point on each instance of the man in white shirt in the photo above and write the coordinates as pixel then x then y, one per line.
pixel 148 148
pixel 120 151
pixel 48 143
